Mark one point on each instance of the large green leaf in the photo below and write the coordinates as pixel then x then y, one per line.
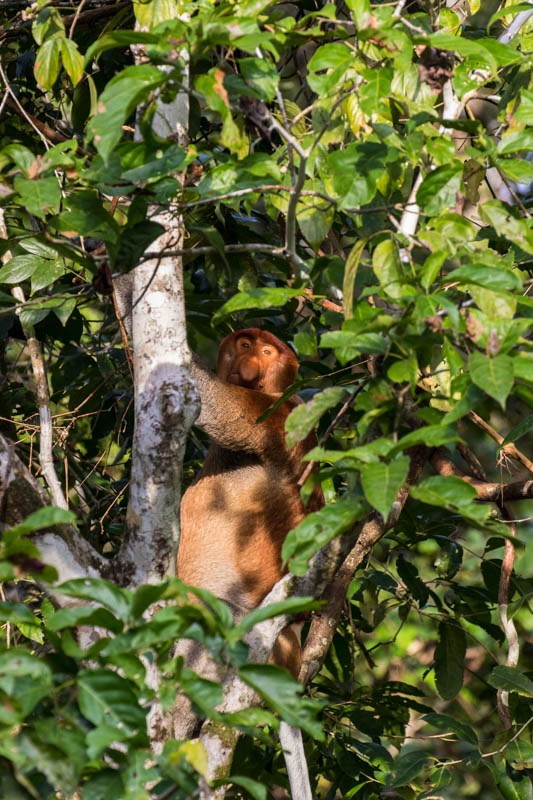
pixel 282 693
pixel 445 722
pixel 381 482
pixel 318 528
pixel 449 659
pixel 256 298
pixel 305 417
pixel 72 60
pixel 438 190
pixel 25 679
pixel 118 100
pixel 40 196
pixel 43 518
pixel 105 697
pixel 18 268
pixel 507 224
pixel 116 600
pixel 47 63
pixel 494 375
pixel 122 38
pixel 489 277
pixel 511 680
pixel 350 273
pixel 388 268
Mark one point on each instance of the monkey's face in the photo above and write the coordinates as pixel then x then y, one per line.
pixel 251 360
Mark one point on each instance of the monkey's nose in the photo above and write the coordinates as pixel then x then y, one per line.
pixel 249 370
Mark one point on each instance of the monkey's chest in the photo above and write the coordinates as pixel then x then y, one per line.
pixel 233 523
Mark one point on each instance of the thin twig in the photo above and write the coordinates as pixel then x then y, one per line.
pixel 509 449
pixel 21 110
pixel 76 18
pixel 46 457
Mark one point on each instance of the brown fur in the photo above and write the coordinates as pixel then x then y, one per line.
pixel 245 500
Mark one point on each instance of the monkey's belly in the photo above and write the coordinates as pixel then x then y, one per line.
pixel 232 528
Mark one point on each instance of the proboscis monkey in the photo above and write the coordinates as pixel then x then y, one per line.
pixel 245 500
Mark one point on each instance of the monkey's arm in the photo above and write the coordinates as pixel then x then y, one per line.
pixel 229 415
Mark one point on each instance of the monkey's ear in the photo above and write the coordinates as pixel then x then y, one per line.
pixel 226 353
pixel 280 374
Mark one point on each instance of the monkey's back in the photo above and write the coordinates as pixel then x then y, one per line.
pixel 234 519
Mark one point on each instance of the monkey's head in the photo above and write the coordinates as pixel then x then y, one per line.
pixel 258 360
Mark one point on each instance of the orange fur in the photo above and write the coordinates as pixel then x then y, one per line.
pixel 245 500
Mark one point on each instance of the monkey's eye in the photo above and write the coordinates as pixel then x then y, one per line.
pixel 245 345
pixel 266 352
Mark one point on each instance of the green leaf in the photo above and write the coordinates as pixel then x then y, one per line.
pixel 256 789
pixel 72 60
pixel 404 371
pixel 45 517
pixel 150 14
pixel 444 722
pixel 25 679
pixel 449 659
pixel 350 273
pixel 465 47
pixel 120 97
pixel 203 694
pixel 406 767
pixel 318 528
pixel 430 435
pixel 494 375
pixel 523 368
pixel 438 190
pixel 507 224
pixel 71 617
pixel 348 344
pixel 105 697
pixel 282 693
pixel 171 160
pixel 17 612
pixel 388 268
pixel 116 600
pixel 46 67
pixel 293 605
pixel 144 596
pixel 517 169
pixel 327 66
pixel 39 196
pixel 101 737
pixel 305 417
pixel 122 38
pixel 499 280
pixel 444 490
pixel 409 575
pixel 18 268
pixel 47 25
pixel 512 142
pixel 315 218
pixel 262 75
pixel 519 430
pixel 88 217
pixel 525 110
pixel 20 155
pixel 256 298
pixel 511 679
pixel 46 274
pixel 381 483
